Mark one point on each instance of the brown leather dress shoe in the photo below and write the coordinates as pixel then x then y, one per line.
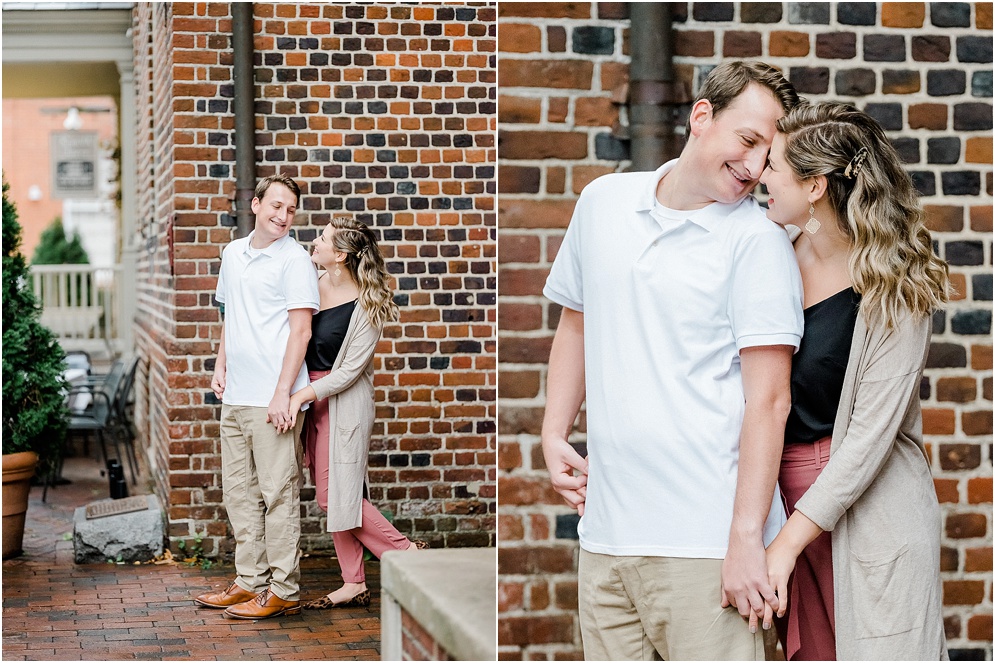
pixel 227 598
pixel 265 605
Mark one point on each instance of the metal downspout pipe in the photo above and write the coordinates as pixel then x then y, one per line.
pixel 654 94
pixel 245 116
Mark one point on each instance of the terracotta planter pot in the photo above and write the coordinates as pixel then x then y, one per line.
pixel 17 472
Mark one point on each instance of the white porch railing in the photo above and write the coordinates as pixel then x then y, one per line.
pixel 81 304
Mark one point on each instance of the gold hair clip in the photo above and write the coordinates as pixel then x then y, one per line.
pixel 856 163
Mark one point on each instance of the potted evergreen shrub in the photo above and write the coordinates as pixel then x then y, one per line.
pixel 34 416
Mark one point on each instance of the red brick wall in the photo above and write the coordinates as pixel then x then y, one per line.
pixel 417 644
pixel 154 325
pixel 923 70
pixel 386 113
pixel 555 93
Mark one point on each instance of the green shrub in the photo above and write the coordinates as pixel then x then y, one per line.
pixel 34 416
pixel 54 248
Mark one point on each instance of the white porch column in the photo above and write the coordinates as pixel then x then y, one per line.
pixel 129 240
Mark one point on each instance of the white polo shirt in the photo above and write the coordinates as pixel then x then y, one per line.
pixel 667 308
pixel 258 287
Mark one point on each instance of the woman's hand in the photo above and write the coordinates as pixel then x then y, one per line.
pixel 298 399
pixel 782 554
pixel 781 559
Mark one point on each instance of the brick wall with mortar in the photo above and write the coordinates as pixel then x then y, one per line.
pixel 924 70
pixel 154 328
pixel 417 644
pixel 386 113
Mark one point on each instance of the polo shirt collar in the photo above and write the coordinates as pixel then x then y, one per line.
pixel 708 217
pixel 270 250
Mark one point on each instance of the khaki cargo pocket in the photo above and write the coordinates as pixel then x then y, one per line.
pixel 349 444
pixel 881 603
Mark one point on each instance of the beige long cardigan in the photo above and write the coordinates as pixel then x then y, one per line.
pixel 349 390
pixel 876 495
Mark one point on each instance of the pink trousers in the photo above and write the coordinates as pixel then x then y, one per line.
pixel 808 631
pixel 375 533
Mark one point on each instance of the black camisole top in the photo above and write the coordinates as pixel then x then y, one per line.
pixel 819 367
pixel 328 329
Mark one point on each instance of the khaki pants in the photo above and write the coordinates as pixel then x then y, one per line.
pixel 660 608
pixel 261 476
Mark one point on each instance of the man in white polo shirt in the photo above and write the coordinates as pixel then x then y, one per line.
pixel 269 290
pixel 681 312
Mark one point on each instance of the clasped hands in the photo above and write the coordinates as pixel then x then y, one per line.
pixel 747 559
pixel 283 409
pixel 754 582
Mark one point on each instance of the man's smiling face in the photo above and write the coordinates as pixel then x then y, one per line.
pixel 274 213
pixel 731 147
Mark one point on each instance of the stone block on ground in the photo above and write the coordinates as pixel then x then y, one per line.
pixel 136 536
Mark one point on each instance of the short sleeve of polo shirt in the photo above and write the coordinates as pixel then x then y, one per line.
pixel 219 291
pixel 565 284
pixel 300 283
pixel 766 302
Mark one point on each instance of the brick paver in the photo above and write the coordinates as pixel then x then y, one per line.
pixel 54 609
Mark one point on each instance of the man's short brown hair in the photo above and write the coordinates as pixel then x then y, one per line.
pixel 265 183
pixel 728 80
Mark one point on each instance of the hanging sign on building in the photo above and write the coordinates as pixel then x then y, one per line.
pixel 74 164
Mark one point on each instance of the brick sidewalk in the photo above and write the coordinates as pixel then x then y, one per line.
pixel 54 609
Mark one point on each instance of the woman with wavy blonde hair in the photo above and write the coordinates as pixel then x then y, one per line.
pixel 857 565
pixel 356 302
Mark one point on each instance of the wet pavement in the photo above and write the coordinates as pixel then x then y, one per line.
pixel 54 609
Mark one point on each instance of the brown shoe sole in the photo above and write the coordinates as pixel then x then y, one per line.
pixel 220 607
pixel 280 613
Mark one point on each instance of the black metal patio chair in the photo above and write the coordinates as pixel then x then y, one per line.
pixel 107 414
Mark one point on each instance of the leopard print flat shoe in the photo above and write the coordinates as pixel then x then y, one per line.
pixel 361 600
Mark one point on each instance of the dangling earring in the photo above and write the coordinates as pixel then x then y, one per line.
pixel 813 224
pixel 338 272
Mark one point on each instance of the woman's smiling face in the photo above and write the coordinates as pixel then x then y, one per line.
pixel 324 251
pixel 788 197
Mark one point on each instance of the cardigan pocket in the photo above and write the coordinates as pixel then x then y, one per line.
pixel 348 444
pixel 881 605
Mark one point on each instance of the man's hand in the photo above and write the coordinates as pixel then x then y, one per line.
pixel 767 388
pixel 561 461
pixel 278 412
pixel 564 395
pixel 218 382
pixel 305 395
pixel 745 585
